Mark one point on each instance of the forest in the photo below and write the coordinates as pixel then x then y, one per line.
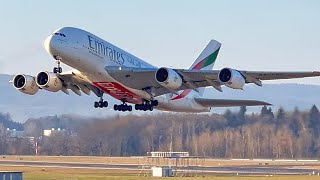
pixel 265 134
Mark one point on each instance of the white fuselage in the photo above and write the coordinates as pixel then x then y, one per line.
pixel 90 55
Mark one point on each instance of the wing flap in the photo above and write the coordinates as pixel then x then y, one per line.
pixel 229 102
pixel 76 81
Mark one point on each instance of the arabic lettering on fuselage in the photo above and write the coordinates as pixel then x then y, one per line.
pixel 101 48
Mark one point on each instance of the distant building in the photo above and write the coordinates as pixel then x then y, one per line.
pixel 162 171
pixel 50 132
pixel 13 133
pixel 169 154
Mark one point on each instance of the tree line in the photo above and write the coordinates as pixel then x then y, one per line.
pixel 267 134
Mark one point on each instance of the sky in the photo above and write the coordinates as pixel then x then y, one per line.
pixel 273 35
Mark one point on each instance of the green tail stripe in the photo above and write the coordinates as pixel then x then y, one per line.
pixel 211 58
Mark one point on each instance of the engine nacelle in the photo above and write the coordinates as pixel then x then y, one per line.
pixel 49 81
pixel 168 78
pixel 25 84
pixel 231 78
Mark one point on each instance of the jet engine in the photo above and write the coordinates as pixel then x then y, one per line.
pixel 231 78
pixel 168 78
pixel 49 81
pixel 25 84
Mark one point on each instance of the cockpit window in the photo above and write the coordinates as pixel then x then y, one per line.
pixel 60 34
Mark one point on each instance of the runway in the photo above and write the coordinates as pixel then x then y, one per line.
pixel 222 170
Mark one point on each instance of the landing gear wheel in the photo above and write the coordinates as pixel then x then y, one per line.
pixel 105 103
pixel 154 103
pixel 100 104
pixel 123 108
pixel 115 107
pixel 96 104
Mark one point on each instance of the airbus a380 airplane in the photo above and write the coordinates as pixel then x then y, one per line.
pixel 101 67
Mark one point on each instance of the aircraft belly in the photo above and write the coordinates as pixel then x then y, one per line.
pixel 119 92
pixel 110 86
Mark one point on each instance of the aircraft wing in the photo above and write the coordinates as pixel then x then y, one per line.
pixel 76 81
pixel 140 78
pixel 228 102
pixel 263 75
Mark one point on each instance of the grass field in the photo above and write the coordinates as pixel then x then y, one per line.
pixel 35 173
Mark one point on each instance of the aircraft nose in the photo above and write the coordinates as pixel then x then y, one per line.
pixel 48 44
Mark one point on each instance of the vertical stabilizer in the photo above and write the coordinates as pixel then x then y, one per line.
pixel 206 59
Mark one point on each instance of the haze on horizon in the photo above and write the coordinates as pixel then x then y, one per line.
pixel 255 35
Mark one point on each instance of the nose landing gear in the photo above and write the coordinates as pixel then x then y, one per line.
pixel 57 69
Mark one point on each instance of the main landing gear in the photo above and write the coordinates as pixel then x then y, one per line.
pixel 57 69
pixel 122 107
pixel 147 106
pixel 101 103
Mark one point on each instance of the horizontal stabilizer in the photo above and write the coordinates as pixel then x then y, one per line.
pixel 228 102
